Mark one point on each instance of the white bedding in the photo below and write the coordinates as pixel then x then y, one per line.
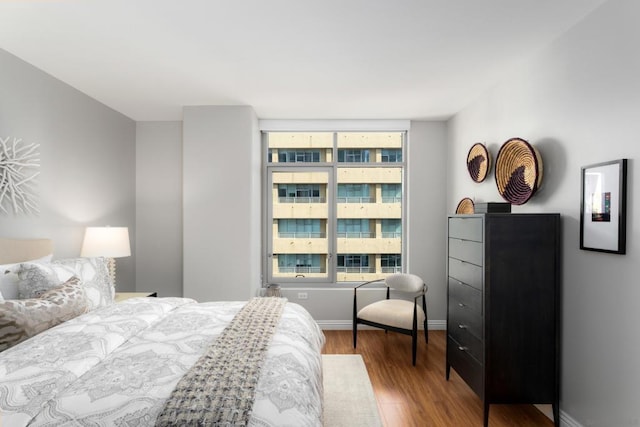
pixel 117 365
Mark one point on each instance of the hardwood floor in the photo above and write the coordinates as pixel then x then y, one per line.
pixel 420 396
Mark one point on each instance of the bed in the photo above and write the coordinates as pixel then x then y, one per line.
pixel 152 361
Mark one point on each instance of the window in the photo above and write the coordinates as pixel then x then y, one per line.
pixel 354 228
pixel 299 263
pixel 391 263
pixel 353 156
pixel 353 193
pixel 391 156
pixel 300 228
pixel 334 202
pixel 391 228
pixel 299 193
pixel 304 156
pixel 353 264
pixel 391 193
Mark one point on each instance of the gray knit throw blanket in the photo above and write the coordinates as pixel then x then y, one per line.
pixel 219 389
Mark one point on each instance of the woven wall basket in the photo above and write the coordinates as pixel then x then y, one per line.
pixel 465 206
pixel 518 171
pixel 478 162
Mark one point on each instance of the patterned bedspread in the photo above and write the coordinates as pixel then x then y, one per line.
pixel 116 366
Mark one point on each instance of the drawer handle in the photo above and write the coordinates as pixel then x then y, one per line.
pixel 461 348
pixel 462 326
pixel 461 305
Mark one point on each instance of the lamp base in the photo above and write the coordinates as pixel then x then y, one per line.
pixel 111 263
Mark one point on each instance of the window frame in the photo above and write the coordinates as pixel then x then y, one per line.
pixel 332 200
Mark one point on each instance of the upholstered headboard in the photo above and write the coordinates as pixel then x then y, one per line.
pixel 18 250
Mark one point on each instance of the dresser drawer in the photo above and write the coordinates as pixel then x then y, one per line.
pixel 465 365
pixel 466 228
pixel 466 250
pixel 465 313
pixel 465 326
pixel 470 343
pixel 466 272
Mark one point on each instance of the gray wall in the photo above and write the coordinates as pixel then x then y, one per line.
pixel 578 102
pixel 87 173
pixel 159 207
pixel 427 214
pixel 221 203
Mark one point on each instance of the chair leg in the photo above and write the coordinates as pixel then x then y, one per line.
pixel 426 332
pixel 355 334
pixel 414 345
pixel 426 320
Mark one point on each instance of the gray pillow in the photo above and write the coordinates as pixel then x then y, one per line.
pixel 23 318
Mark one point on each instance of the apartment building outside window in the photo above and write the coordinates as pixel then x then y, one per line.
pixel 334 206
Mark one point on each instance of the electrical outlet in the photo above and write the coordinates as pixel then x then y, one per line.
pixel 302 295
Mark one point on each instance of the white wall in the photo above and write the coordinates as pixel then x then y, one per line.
pixel 87 173
pixel 159 207
pixel 577 101
pixel 221 203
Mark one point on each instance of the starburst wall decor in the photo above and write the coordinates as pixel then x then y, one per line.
pixel 17 176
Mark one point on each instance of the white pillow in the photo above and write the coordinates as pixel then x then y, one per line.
pixel 9 277
pixel 35 279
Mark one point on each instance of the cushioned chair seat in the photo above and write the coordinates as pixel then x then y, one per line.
pixel 392 312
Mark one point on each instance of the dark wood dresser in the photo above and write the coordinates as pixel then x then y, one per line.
pixel 503 307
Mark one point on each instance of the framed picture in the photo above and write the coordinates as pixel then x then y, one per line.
pixel 603 207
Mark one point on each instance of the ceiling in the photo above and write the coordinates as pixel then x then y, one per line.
pixel 289 59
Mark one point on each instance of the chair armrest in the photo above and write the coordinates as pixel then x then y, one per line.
pixel 355 297
pixel 367 283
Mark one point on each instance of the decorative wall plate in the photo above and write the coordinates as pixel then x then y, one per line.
pixel 478 162
pixel 518 171
pixel 465 206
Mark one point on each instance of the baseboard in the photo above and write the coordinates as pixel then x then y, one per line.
pixel 567 421
pixel 335 325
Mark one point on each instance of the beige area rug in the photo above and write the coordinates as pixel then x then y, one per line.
pixel 348 394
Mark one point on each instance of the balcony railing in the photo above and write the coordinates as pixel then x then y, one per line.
pixel 356 200
pixel 301 269
pixel 302 235
pixel 391 234
pixel 391 199
pixel 357 235
pixel 301 200
pixel 356 270
pixel 396 269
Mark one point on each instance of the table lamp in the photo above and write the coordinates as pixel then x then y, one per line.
pixel 108 242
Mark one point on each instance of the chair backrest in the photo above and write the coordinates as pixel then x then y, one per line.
pixel 404 282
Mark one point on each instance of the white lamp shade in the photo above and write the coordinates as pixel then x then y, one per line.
pixel 108 242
